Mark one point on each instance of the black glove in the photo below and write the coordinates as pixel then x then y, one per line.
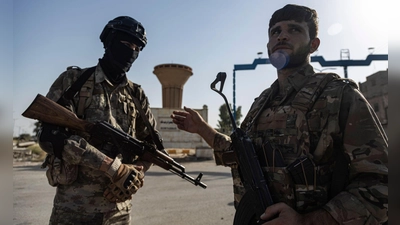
pixel 55 135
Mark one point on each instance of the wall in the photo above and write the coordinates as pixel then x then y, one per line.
pixel 375 90
pixel 173 138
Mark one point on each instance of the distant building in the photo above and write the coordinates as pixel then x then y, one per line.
pixel 376 91
pixel 172 77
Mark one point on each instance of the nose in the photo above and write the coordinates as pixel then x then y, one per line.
pixel 283 36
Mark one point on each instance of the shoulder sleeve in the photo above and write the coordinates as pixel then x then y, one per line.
pixel 364 142
pixel 63 81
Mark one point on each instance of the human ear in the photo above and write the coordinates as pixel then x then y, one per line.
pixel 314 45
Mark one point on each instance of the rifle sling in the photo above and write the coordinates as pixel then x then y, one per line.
pixel 76 86
pixel 153 134
pixel 67 96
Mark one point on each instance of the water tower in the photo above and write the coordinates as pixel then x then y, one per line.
pixel 172 78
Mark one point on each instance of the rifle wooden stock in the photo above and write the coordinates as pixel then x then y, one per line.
pixel 48 111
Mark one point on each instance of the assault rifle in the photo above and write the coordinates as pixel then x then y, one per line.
pixel 48 111
pixel 257 197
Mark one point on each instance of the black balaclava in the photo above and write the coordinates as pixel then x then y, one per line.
pixel 118 57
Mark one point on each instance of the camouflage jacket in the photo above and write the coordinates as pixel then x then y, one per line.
pixel 340 120
pixel 103 102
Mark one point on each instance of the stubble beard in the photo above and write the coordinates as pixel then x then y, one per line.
pixel 294 59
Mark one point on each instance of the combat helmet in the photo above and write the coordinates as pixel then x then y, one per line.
pixel 125 24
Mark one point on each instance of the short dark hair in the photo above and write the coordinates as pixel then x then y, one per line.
pixel 297 13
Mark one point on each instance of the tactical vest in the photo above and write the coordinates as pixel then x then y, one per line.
pixel 293 139
pixel 84 98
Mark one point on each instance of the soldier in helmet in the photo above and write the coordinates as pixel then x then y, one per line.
pixel 321 147
pixel 94 183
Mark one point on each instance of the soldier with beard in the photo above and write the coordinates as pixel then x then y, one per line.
pixel 94 183
pixel 321 147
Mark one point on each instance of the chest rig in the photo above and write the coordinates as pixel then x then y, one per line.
pixel 91 99
pixel 84 98
pixel 291 135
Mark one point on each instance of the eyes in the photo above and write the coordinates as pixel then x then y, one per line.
pixel 131 45
pixel 292 30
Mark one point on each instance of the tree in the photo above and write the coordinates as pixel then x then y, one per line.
pixel 37 127
pixel 225 124
pixel 24 137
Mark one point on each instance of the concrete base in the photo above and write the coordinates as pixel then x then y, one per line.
pixel 204 152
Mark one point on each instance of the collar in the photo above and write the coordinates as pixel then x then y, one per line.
pixel 295 80
pixel 298 79
pixel 100 76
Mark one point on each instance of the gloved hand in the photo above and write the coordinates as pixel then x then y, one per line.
pixel 115 194
pixel 52 138
pixel 126 180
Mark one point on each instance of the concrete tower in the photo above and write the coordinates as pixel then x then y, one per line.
pixel 172 78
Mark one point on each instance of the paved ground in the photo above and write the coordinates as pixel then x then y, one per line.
pixel 165 198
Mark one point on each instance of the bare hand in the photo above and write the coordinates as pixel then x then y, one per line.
pixel 188 120
pixel 280 213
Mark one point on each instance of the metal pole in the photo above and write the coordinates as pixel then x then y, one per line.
pixel 234 95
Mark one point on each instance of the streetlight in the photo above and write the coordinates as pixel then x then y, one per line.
pixel 371 50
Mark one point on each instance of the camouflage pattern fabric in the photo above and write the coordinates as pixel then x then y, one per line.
pixel 317 135
pixel 109 103
pixel 114 217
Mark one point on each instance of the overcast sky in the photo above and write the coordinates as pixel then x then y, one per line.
pixel 45 37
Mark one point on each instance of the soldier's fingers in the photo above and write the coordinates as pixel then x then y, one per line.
pixel 138 168
pixel 110 197
pixel 138 183
pixel 190 110
pixel 179 114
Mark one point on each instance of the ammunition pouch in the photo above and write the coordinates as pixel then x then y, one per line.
pixel 311 183
pixel 303 171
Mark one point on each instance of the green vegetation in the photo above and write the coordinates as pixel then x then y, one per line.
pixel 225 124
pixel 24 137
pixel 37 152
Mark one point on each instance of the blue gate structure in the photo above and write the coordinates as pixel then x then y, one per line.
pixel 320 59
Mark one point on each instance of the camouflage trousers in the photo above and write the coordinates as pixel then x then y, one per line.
pixel 115 217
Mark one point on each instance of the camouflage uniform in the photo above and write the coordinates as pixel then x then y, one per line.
pixel 340 121
pixel 106 102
